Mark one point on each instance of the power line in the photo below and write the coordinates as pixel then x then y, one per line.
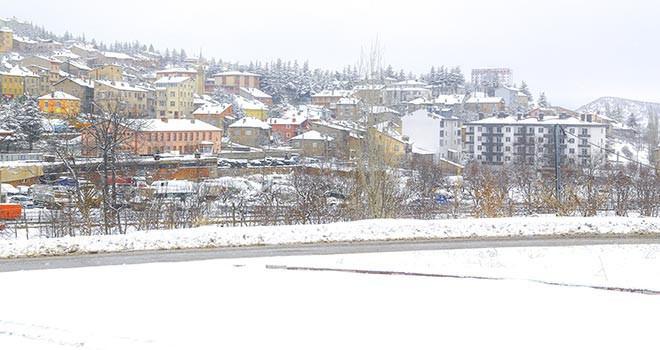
pixel 608 150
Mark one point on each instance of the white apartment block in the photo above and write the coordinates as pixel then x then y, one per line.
pixel 434 133
pixel 507 140
pixel 488 76
pixel 175 96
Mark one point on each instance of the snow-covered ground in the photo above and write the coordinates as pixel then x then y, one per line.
pixel 250 304
pixel 639 153
pixel 382 229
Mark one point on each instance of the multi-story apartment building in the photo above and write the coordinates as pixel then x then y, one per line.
pixel 405 91
pixel 233 81
pixel 433 132
pixel 110 72
pixel 162 135
pixel 492 77
pixel 6 40
pixel 197 75
pixel 110 96
pixel 327 98
pixel 82 89
pixel 51 64
pixel 175 96
pixel 19 82
pixel 506 140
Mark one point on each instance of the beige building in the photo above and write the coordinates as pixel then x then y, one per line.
pixel 109 72
pixel 249 131
pixel 175 96
pixel 233 81
pixel 6 40
pixel 51 64
pixel 196 75
pixel 213 114
pixel 112 95
pixel 314 144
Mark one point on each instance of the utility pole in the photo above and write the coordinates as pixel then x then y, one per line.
pixel 557 163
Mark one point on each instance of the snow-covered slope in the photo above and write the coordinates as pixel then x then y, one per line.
pixel 621 108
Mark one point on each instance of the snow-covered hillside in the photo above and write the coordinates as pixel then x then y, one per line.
pixel 621 108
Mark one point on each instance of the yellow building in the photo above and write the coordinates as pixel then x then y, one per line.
pixel 108 72
pixel 253 108
pixel 59 103
pixel 6 40
pixel 19 82
pixel 387 142
pixel 175 96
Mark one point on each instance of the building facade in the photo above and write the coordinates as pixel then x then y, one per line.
pixel 110 96
pixel 509 140
pixel 492 77
pixel 434 133
pixel 175 96
pixel 233 81
pixel 6 40
pixel 59 103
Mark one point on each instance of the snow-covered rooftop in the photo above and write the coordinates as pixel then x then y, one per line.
pixel 382 109
pixel 169 124
pixel 332 93
pixel 246 104
pixel 313 135
pixel 58 95
pixel 547 120
pixel 177 70
pixel 213 109
pixel 116 55
pixel 17 71
pixel 124 86
pixel 170 80
pixel 448 99
pixel 250 122
pixel 256 92
pixel 475 100
pixel 287 121
pixel 235 72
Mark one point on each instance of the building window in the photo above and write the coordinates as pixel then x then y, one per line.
pixel 248 132
pixel 508 129
pixel 396 148
pixel 315 144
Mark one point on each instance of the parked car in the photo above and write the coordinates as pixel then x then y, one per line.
pixel 25 201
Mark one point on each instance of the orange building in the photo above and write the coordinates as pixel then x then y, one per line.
pixel 59 103
pixel 150 136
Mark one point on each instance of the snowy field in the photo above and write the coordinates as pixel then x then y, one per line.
pixel 383 229
pixel 258 304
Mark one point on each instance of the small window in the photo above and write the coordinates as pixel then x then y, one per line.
pixel 248 132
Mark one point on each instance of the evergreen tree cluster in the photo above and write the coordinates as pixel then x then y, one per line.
pixel 24 119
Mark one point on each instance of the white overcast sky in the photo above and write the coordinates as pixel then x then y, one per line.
pixel 575 50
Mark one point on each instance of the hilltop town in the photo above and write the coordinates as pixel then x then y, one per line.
pixel 118 118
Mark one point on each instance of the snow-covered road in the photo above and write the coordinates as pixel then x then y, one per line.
pixel 368 230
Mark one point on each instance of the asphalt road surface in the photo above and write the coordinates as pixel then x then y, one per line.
pixel 144 257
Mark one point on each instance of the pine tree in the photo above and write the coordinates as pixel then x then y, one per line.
pixel 543 101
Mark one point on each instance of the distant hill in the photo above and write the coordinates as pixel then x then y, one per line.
pixel 621 108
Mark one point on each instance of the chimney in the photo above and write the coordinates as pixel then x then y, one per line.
pixel 164 120
pixel 192 121
pixel 541 115
pixel 589 118
pixel 481 116
pixel 519 116
pixel 581 117
pixel 293 120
